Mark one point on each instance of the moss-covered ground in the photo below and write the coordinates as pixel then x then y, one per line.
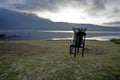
pixel 50 60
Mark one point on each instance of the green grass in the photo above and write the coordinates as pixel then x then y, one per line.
pixel 115 41
pixel 50 60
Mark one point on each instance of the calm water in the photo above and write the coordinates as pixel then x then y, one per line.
pixel 56 35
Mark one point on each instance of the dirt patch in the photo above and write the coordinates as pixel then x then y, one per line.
pixel 20 49
pixel 94 50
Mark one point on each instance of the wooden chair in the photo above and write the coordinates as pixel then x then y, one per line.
pixel 79 43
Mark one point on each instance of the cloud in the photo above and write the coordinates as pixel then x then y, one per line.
pixel 99 4
pixel 95 7
pixel 10 4
pixel 106 9
pixel 37 5
pixel 116 23
pixel 49 5
pixel 54 4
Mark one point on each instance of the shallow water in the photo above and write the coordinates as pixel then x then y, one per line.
pixel 56 35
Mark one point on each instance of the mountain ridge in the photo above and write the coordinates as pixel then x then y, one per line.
pixel 15 20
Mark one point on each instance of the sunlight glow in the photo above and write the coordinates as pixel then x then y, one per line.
pixel 70 15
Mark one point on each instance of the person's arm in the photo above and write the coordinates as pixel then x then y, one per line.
pixel 75 29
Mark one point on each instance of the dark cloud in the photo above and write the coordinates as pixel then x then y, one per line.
pixel 50 5
pixel 37 5
pixel 53 5
pixel 45 4
pixel 115 14
pixel 93 8
pixel 116 10
pixel 92 5
pixel 116 23
pixel 98 4
pixel 96 7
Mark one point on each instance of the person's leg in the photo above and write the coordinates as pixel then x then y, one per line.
pixel 72 48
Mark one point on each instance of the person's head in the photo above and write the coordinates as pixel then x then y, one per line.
pixel 82 29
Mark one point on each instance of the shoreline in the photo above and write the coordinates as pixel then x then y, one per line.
pixel 63 39
pixel 57 35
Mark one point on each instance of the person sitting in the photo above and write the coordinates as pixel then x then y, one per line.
pixel 79 32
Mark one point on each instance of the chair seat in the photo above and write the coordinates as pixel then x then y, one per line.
pixel 81 46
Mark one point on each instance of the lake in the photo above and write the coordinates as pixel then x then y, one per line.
pixel 56 35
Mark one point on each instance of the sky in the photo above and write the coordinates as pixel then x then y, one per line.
pixel 99 12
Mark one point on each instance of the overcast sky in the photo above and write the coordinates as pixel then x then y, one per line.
pixel 75 11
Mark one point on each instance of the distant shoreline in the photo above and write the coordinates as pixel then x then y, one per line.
pixel 56 35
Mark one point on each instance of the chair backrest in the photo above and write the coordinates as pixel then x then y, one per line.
pixel 80 38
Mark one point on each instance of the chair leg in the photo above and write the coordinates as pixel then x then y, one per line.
pixel 83 52
pixel 70 49
pixel 75 53
pixel 77 50
pixel 83 47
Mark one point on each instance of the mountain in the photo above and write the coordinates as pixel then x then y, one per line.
pixel 14 20
pixel 18 20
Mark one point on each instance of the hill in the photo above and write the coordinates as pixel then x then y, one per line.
pixel 12 20
pixel 18 20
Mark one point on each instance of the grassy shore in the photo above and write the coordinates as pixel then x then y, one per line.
pixel 50 60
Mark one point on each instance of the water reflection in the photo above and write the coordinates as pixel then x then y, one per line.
pixel 99 38
pixel 57 35
pixel 103 38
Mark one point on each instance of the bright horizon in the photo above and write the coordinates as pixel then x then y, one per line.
pixel 70 15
